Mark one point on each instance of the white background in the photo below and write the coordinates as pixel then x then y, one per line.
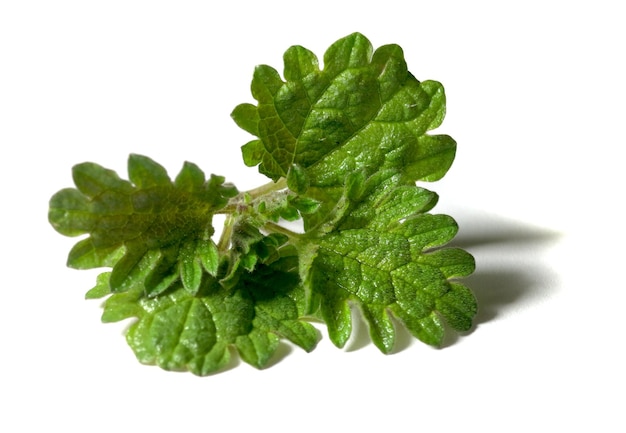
pixel 536 103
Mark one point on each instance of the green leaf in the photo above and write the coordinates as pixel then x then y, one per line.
pixel 246 116
pixel 145 173
pixel 458 306
pixel 182 331
pixel 304 205
pixel 209 256
pixel 190 178
pixel 151 231
pixel 252 153
pixel 297 179
pixel 92 180
pixel 190 267
pixel 382 255
pixel 364 110
pixel 344 146
pixel 249 247
pixel 85 255
pixel 101 289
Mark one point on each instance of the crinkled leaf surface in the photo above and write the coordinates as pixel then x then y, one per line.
pixel 180 331
pixel 362 111
pixel 344 145
pixel 352 136
pixel 150 230
pixel 381 254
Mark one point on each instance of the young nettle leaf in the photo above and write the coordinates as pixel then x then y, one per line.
pixel 344 145
pixel 381 256
pixel 249 246
pixel 150 230
pixel 363 110
pixel 181 331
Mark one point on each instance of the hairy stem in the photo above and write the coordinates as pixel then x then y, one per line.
pixel 268 188
pixel 276 228
pixel 227 232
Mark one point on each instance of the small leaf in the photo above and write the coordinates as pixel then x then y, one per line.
pixel 190 268
pixel 209 256
pixel 304 205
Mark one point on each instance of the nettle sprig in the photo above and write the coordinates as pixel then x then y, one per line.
pixel 343 148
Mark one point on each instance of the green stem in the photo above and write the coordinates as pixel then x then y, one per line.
pixel 236 208
pixel 276 228
pixel 234 204
pixel 227 232
pixel 267 188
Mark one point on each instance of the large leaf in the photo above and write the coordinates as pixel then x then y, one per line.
pixel 362 111
pixel 382 254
